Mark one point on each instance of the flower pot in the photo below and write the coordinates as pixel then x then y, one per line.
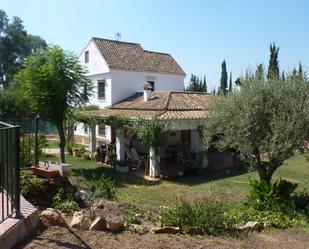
pixel 64 169
pixel 45 172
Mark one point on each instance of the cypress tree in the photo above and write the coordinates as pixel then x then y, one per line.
pixel 273 68
pixel 204 89
pixel 223 80
pixel 300 71
pixel 231 84
pixel 259 73
pixel 283 76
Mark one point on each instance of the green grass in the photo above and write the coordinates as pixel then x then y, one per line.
pixel 234 184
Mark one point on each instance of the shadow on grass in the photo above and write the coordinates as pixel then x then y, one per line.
pixel 204 177
pixel 121 179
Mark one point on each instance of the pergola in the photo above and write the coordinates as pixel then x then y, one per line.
pixel 172 111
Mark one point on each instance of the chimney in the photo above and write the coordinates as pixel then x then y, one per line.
pixel 147 91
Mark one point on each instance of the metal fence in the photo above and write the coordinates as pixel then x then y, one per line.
pixel 9 171
pixel 29 135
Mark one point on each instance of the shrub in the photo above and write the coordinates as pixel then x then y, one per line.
pixel 30 185
pixel 65 202
pixel 204 217
pixel 86 155
pixel 102 188
pixel 69 149
pixel 136 215
pixel 267 196
pixel 244 213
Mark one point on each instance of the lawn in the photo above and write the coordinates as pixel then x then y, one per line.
pixel 234 183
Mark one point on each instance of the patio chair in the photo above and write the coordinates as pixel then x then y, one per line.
pixel 128 153
pixel 138 158
pixel 184 153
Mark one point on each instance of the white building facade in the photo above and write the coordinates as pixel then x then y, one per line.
pixel 119 70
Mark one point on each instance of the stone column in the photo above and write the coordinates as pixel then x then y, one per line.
pixel 120 144
pixel 92 140
pixel 154 163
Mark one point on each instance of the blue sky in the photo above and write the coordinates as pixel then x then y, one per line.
pixel 199 34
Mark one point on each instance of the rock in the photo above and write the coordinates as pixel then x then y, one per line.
pixel 98 224
pixel 53 217
pixel 252 226
pixel 115 224
pixel 167 229
pixel 140 229
pixel 80 221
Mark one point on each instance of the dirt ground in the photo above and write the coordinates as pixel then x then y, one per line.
pixel 60 237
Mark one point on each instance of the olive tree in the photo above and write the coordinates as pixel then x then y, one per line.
pixel 54 83
pixel 266 121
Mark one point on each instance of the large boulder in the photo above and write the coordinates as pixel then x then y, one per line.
pixel 253 226
pixel 80 221
pixel 114 223
pixel 52 217
pixel 98 224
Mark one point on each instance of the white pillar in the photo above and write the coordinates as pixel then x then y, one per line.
pixel 154 163
pixel 120 144
pixel 92 140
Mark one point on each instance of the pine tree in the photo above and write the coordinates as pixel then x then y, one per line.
pixel 231 84
pixel 223 81
pixel 273 68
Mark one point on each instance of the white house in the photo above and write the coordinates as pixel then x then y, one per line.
pixel 119 70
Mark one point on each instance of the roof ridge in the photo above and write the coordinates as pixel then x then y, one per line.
pixel 156 52
pixel 116 41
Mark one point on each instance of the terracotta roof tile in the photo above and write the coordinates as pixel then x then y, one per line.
pixel 132 57
pixel 161 106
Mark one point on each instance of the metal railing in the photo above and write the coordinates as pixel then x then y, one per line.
pixel 9 171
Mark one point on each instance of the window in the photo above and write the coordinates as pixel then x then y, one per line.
pixel 102 130
pixel 101 89
pixel 152 84
pixel 86 56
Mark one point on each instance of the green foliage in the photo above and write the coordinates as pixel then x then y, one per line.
pixel 29 185
pixel 265 121
pixel 151 132
pixel 65 202
pixel 224 78
pixel 196 84
pixel 267 196
pixel 101 188
pixel 86 155
pixel 136 215
pixel 54 84
pixel 15 45
pixel 273 68
pixel 277 218
pixel 204 217
pixel 27 148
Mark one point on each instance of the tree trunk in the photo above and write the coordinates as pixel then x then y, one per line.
pixel 61 133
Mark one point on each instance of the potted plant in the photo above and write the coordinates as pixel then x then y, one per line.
pixel 76 152
pixel 121 166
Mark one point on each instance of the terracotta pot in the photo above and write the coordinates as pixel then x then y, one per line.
pixel 45 173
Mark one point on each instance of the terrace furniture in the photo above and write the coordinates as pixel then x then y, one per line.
pixel 138 158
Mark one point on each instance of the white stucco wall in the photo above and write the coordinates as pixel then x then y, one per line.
pixel 96 64
pixel 125 84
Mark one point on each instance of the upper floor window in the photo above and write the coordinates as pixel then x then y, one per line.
pixel 101 89
pixel 86 56
pixel 152 84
